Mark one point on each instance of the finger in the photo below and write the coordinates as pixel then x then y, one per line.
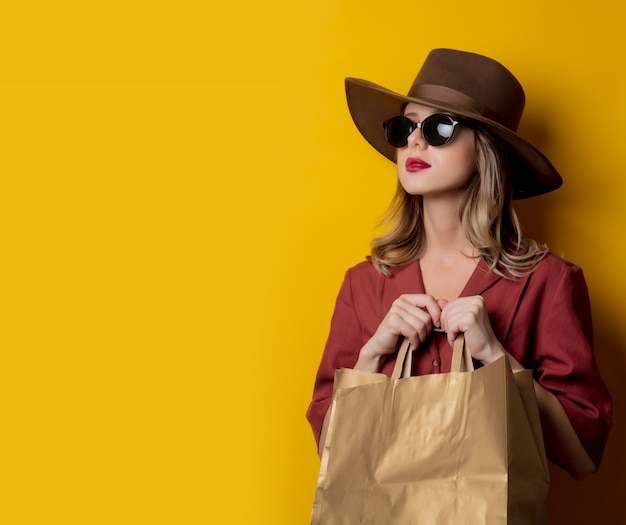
pixel 465 315
pixel 416 334
pixel 451 334
pixel 403 316
pixel 416 327
pixel 451 319
pixel 428 303
pixel 410 308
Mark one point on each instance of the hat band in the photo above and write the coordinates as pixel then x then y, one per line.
pixel 448 96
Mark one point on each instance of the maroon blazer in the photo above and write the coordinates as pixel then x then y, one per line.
pixel 543 320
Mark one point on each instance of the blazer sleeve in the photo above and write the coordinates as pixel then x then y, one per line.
pixel 344 342
pixel 564 358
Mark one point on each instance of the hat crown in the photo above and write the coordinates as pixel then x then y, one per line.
pixel 472 83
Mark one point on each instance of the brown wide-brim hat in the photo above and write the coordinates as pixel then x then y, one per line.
pixel 469 86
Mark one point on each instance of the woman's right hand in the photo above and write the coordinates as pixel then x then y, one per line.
pixel 412 316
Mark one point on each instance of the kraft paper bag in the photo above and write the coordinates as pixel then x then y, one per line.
pixel 450 449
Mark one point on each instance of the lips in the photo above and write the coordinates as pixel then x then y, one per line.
pixel 415 164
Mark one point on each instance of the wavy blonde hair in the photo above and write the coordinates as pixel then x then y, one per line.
pixel 487 217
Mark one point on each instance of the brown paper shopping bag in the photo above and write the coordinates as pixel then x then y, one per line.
pixel 450 449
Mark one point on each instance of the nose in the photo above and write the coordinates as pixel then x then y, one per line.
pixel 416 139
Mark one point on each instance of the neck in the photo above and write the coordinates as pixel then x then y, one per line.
pixel 444 234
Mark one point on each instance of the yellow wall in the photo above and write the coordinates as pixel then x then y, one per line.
pixel 181 191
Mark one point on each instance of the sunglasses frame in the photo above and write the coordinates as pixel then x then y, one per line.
pixel 420 125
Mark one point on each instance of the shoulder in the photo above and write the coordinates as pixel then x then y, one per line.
pixel 361 277
pixel 552 266
pixel 365 271
pixel 370 293
pixel 552 280
pixel 555 276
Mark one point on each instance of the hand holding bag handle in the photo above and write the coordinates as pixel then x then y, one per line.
pixel 461 358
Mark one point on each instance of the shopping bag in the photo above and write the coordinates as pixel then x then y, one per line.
pixel 450 449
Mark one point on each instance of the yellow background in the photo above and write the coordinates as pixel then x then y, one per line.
pixel 181 192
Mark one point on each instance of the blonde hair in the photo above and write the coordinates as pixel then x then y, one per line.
pixel 487 217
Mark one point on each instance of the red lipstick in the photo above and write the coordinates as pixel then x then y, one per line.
pixel 415 164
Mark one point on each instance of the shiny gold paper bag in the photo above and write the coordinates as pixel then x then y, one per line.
pixel 442 449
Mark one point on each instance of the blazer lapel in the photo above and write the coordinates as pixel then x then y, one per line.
pixel 480 280
pixel 405 280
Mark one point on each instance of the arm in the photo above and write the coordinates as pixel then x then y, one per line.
pixel 564 366
pixel 345 338
pixel 561 441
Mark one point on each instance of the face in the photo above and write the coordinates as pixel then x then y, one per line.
pixel 436 170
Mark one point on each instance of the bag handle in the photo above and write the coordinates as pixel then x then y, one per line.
pixel 404 361
pixel 461 358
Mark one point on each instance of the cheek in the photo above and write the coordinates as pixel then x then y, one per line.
pixel 401 156
pixel 470 164
pixel 466 159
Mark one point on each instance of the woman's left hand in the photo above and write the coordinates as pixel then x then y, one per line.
pixel 469 315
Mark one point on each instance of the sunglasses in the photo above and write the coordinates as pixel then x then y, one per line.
pixel 436 129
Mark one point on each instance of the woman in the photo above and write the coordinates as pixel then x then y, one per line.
pixel 454 259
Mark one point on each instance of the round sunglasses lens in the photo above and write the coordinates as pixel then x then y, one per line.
pixel 437 129
pixel 397 131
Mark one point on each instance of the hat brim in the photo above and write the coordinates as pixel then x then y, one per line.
pixel 370 105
